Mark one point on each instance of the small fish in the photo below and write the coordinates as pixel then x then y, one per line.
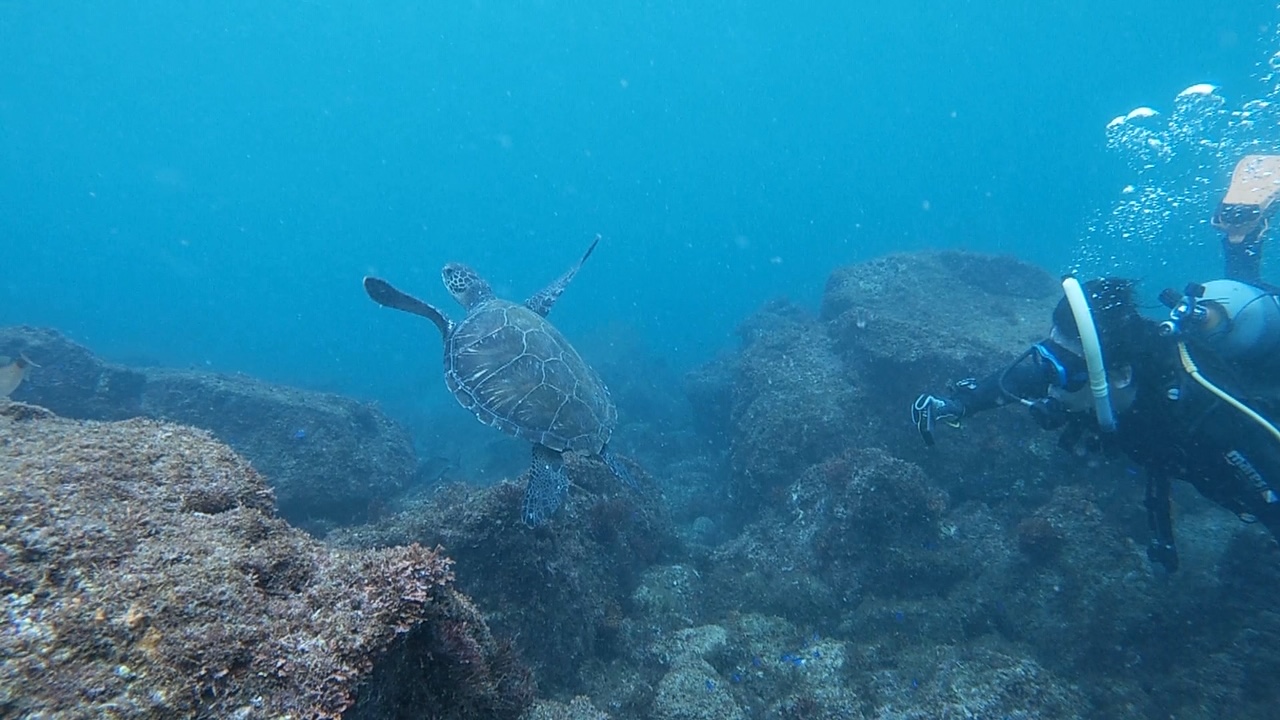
pixel 13 372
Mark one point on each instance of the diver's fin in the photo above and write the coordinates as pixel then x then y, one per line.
pixel 1252 197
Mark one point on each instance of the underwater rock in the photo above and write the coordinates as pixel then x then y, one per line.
pixel 918 322
pixel 764 666
pixel 791 401
pixel 862 524
pixel 329 459
pixel 579 708
pixel 709 389
pixel 1083 597
pixel 981 680
pixel 146 576
pixel 691 691
pixel 940 313
pixel 71 380
pixel 704 642
pixel 560 589
pixel 801 389
pixel 668 598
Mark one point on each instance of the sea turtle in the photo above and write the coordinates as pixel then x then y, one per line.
pixel 514 370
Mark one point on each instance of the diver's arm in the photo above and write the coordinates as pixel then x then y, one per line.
pixel 1021 379
pixel 1243 260
pixel 970 396
pixel 1251 200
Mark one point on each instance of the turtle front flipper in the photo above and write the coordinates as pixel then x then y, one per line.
pixel 542 301
pixel 381 292
pixel 548 486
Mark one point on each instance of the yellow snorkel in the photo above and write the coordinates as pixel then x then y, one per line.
pixel 1098 385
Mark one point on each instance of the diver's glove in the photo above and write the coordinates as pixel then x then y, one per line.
pixel 928 409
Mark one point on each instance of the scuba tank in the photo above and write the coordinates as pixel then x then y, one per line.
pixel 1237 321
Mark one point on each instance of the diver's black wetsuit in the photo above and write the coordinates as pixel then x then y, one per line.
pixel 1175 430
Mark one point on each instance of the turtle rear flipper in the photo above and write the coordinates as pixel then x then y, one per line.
pixel 381 292
pixel 548 486
pixel 542 301
pixel 618 467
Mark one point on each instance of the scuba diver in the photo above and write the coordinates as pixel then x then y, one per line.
pixel 1193 398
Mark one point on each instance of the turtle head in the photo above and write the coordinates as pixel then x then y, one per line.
pixel 466 286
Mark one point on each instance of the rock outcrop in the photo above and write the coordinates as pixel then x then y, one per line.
pixel 145 575
pixel 328 458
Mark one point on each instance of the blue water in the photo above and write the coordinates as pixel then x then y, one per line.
pixel 205 184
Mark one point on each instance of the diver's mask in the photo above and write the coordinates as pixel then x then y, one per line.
pixel 1061 368
pixel 1065 376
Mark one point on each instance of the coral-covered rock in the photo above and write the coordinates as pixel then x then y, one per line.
pixel 146 576
pixel 578 708
pixel 690 691
pixel 863 524
pixel 328 458
pixel 560 589
pixel 944 312
pixel 803 389
pixel 1078 591
pixel 982 680
pixel 913 323
pixel 791 404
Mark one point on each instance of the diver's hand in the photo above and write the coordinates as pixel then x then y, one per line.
pixel 928 409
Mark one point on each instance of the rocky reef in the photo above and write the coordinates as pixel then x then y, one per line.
pixel 145 575
pixel 793 550
pixel 1014 566
pixel 562 589
pixel 329 459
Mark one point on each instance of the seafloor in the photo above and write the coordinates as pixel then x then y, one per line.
pixel 181 544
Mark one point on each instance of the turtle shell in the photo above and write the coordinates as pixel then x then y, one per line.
pixel 516 372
